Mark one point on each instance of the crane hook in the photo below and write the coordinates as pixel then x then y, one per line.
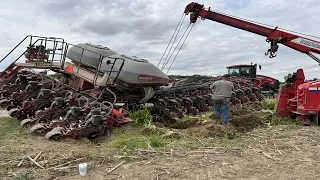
pixel 273 49
pixel 272 54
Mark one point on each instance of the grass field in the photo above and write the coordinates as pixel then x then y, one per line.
pixel 195 148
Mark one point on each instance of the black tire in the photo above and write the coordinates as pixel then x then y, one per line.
pixel 315 119
pixel 57 116
pixel 93 135
pixel 6 95
pixel 14 114
pixel 42 106
pixel 4 103
pixel 30 97
pixel 10 107
pixel 266 87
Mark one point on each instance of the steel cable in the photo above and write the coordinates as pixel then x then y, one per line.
pixel 177 45
pixel 166 60
pixel 180 47
pixel 182 18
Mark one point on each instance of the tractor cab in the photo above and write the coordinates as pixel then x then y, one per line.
pixel 249 71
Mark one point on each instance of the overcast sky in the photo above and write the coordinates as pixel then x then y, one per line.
pixel 144 27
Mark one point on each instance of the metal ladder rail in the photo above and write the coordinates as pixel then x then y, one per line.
pixel 31 36
pixel 101 57
pixel 111 70
pixel 63 57
pixel 80 62
pixel 14 48
pixel 54 49
pixel 18 57
pixel 98 69
pixel 30 45
pixel 55 44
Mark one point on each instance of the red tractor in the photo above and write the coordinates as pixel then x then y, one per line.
pixel 249 71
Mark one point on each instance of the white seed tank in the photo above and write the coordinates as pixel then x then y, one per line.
pixel 135 70
pixel 91 54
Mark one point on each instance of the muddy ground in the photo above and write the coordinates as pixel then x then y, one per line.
pixel 194 149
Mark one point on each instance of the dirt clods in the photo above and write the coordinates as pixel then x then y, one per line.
pixel 209 130
pixel 241 119
pixel 186 123
pixel 246 122
pixel 152 129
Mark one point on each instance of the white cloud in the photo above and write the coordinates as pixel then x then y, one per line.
pixel 143 28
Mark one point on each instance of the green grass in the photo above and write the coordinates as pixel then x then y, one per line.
pixel 131 139
pixel 205 116
pixel 268 104
pixel 23 176
pixel 10 128
pixel 141 118
pixel 275 120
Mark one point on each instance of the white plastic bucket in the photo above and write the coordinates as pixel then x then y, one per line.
pixel 83 169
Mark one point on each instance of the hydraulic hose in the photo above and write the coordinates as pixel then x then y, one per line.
pixel 86 99
pixel 103 106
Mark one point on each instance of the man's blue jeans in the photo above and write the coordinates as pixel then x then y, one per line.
pixel 222 108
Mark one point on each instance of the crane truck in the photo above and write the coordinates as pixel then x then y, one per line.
pixel 297 98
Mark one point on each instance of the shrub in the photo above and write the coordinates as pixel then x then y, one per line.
pixel 141 118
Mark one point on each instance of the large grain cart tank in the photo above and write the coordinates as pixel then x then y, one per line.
pixel 135 71
pixel 88 54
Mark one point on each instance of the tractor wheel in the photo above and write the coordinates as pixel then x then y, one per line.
pixel 38 128
pixel 13 113
pixel 315 119
pixel 42 106
pixel 57 116
pixel 22 117
pixel 58 129
pixel 53 135
pixel 6 95
pixel 30 97
pixel 25 122
pixel 3 103
pixel 93 135
pixel 266 87
pixel 10 107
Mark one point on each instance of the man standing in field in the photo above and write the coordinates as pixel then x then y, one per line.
pixel 221 97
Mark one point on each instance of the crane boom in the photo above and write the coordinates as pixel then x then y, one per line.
pixel 274 36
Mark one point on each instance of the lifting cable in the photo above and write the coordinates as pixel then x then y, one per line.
pixel 175 47
pixel 180 47
pixel 179 24
pixel 166 60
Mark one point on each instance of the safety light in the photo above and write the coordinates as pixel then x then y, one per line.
pixel 69 69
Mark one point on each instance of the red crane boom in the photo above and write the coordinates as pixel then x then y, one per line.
pixel 274 36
